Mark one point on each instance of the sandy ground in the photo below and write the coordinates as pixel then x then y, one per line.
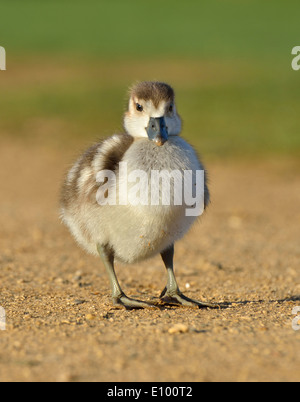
pixel 244 254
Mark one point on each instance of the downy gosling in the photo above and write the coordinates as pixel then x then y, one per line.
pixel 130 232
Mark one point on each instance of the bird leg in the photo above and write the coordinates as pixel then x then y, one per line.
pixel 118 296
pixel 171 293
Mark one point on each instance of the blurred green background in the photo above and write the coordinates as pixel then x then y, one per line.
pixel 69 64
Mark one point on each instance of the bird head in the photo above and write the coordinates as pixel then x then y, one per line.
pixel 152 112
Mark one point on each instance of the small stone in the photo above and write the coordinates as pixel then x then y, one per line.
pixel 77 276
pixel 90 317
pixel 178 329
pixel 77 301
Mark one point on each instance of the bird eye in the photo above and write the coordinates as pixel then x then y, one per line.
pixel 171 108
pixel 139 107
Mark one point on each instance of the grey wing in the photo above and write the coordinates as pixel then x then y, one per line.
pixel 80 182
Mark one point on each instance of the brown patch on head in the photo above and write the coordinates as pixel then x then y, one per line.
pixel 155 91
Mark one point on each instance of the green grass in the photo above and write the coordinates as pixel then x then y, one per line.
pixel 69 64
pixel 102 28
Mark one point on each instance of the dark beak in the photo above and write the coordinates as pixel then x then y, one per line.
pixel 157 130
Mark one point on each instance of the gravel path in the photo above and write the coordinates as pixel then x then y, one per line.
pixel 244 254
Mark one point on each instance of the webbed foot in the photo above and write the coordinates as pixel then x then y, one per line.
pixel 130 303
pixel 175 297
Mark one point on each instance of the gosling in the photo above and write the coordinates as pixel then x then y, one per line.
pixel 124 231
